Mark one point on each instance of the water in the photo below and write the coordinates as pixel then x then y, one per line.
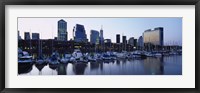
pixel 167 65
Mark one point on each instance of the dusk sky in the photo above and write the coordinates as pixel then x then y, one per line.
pixel 130 27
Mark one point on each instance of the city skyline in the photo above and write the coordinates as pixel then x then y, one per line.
pixel 129 27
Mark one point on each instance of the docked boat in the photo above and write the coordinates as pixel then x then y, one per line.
pixel 106 57
pixel 77 54
pixel 92 58
pixel 24 57
pixel 66 58
pixel 40 59
pixel 54 58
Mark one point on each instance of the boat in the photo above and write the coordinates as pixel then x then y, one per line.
pixel 78 56
pixel 149 54
pixel 54 58
pixel 138 54
pixel 24 57
pixel 66 58
pixel 106 57
pixel 40 59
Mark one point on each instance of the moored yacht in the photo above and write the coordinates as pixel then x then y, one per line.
pixel 24 57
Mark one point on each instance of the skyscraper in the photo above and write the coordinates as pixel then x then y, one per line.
pixel 140 41
pixel 94 37
pixel 62 30
pixel 80 35
pixel 101 36
pixel 135 42
pixel 27 36
pixel 131 41
pixel 154 37
pixel 19 37
pixel 35 36
pixel 124 39
pixel 118 38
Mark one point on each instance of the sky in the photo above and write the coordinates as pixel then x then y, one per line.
pixel 130 27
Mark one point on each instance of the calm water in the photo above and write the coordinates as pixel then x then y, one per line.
pixel 168 65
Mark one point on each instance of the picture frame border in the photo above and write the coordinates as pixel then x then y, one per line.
pixel 98 2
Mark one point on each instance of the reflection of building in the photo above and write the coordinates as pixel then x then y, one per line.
pixel 118 38
pixel 94 37
pixel 80 35
pixel 19 37
pixel 35 36
pixel 62 30
pixel 27 36
pixel 101 36
pixel 131 41
pixel 140 41
pixel 154 37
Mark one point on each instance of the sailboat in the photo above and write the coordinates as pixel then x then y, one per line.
pixel 40 59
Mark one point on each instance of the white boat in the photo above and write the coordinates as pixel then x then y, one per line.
pixel 158 55
pixel 23 57
pixel 78 55
pixel 66 58
pixel 92 58
pixel 149 54
pixel 121 55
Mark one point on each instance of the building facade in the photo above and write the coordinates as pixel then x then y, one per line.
pixel 62 30
pixel 153 37
pixel 118 38
pixel 94 37
pixel 80 35
pixel 124 39
pixel 19 37
pixel 35 36
pixel 140 42
pixel 27 36
pixel 131 41
pixel 101 36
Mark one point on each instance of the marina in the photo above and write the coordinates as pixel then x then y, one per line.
pixel 77 48
pixel 109 63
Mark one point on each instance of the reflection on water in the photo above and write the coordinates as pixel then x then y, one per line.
pixel 169 65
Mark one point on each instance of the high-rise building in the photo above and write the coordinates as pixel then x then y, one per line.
pixel 62 30
pixel 154 37
pixel 135 42
pixel 140 41
pixel 80 35
pixel 131 41
pixel 101 36
pixel 124 39
pixel 35 36
pixel 118 38
pixel 27 36
pixel 19 37
pixel 94 37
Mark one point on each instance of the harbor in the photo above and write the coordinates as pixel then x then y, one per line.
pixel 76 47
pixel 109 63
